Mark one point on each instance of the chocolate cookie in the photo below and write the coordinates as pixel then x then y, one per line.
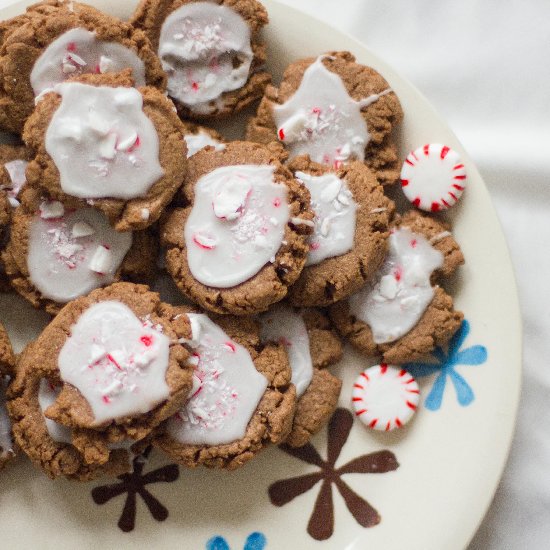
pixel 117 367
pixel 198 137
pixel 350 236
pixel 56 40
pixel 55 255
pixel 99 142
pixel 7 365
pixel 5 218
pixel 242 398
pixel 47 443
pixel 312 345
pixel 242 239
pixel 13 163
pixel 334 110
pixel 404 315
pixel 211 51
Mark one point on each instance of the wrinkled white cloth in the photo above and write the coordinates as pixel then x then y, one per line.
pixel 484 65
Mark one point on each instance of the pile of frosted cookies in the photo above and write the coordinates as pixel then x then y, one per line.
pixel 281 246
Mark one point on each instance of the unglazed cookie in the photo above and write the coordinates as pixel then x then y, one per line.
pixel 403 315
pixel 242 241
pixel 242 398
pixel 116 359
pixel 311 345
pixel 100 142
pixel 55 255
pixel 7 365
pixel 57 40
pixel 334 110
pixel 350 233
pixel 198 137
pixel 211 52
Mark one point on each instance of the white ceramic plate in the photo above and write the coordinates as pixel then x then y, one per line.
pixel 450 457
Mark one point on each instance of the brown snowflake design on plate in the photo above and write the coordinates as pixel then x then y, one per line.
pixel 134 484
pixel 321 522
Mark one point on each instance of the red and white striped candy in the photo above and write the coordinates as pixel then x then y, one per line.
pixel 385 397
pixel 433 177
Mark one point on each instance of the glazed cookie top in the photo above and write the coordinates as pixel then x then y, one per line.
pixel 330 108
pixel 397 301
pixel 48 444
pixel 350 233
pixel 308 337
pixel 209 50
pixel 56 254
pixel 100 142
pixel 311 344
pixel 116 356
pixel 70 252
pixel 335 216
pixel 205 50
pixel 420 248
pixel 236 224
pixel 282 324
pixel 116 362
pixel 60 40
pixel 242 398
pixel 243 232
pixel 78 51
pixel 226 388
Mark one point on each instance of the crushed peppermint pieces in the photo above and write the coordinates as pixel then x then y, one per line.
pixel 51 210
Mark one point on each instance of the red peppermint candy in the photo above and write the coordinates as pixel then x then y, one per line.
pixel 433 177
pixel 385 397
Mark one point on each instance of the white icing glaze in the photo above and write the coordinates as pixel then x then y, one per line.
pixel 16 171
pixel 6 442
pixel 334 207
pixel 322 120
pixel 395 304
pixel 61 251
pixel 283 325
pixel 198 141
pixel 205 50
pixel 47 394
pixel 227 389
pixel 78 51
pixel 102 142
pixel 117 362
pixel 236 225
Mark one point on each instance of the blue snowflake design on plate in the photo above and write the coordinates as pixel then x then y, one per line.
pixel 445 365
pixel 254 541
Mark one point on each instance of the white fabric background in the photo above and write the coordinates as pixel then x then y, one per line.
pixel 485 65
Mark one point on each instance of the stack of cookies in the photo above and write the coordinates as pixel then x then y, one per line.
pixel 281 244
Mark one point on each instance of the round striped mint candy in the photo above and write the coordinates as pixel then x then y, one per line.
pixel 433 177
pixel 385 397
